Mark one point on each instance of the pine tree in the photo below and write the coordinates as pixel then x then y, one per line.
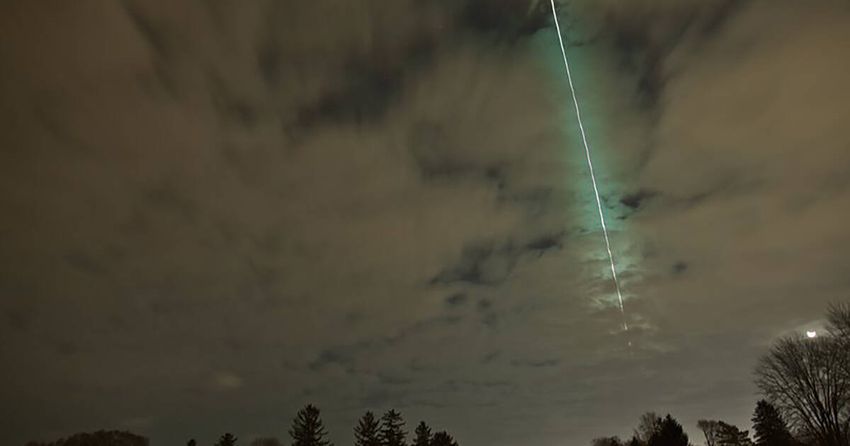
pixel 226 440
pixel 367 431
pixel 769 428
pixel 267 441
pixel 391 429
pixel 443 439
pixel 669 433
pixel 423 435
pixel 307 428
pixel 607 441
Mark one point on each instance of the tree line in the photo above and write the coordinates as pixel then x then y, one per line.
pixel 769 428
pixel 308 430
pixel 805 383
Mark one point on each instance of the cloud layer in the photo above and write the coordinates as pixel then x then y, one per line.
pixel 215 212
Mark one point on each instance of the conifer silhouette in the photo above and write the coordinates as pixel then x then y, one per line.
pixel 423 435
pixel 392 433
pixel 307 428
pixel 367 432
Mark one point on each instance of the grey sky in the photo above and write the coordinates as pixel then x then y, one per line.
pixel 214 212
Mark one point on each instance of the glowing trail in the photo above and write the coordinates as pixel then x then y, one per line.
pixel 590 167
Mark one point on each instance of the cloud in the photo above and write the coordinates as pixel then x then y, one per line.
pixel 224 380
pixel 392 212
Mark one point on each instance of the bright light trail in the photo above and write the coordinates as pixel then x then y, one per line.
pixel 590 167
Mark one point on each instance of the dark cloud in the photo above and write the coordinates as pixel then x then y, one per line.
pixel 680 267
pixel 479 264
pixel 506 19
pixel 337 356
pixel 545 242
pixel 635 200
pixel 457 300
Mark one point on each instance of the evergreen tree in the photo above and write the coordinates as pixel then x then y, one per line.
pixel 307 428
pixel 367 431
pixel 267 441
pixel 226 440
pixel 769 428
pixel 607 441
pixel 423 435
pixel 729 435
pixel 442 438
pixel 669 433
pixel 391 429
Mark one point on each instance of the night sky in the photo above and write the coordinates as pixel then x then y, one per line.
pixel 214 212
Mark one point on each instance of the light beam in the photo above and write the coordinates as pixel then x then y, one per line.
pixel 590 168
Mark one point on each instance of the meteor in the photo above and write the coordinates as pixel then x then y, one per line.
pixel 590 168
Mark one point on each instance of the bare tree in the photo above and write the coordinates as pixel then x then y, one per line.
pixel 807 380
pixel 648 424
pixel 710 428
pixel 838 317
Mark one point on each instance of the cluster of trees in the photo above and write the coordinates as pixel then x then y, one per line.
pixel 806 385
pixel 808 379
pixel 99 438
pixel 388 430
pixel 769 427
pixel 652 430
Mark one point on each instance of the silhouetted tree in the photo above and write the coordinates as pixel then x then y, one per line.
pixel 192 442
pixel 307 428
pixel 392 433
pixel 648 424
pixel 110 438
pixel 442 438
pixel 423 435
pixel 367 431
pixel 838 317
pixel 769 428
pixel 635 441
pixel 807 380
pixel 838 324
pixel 268 441
pixel 730 435
pixel 226 440
pixel 709 428
pixel 607 441
pixel 668 433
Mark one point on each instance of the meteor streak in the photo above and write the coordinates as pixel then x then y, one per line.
pixel 590 168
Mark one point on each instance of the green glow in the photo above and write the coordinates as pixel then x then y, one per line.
pixel 582 202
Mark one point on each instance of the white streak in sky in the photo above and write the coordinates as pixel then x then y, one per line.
pixel 590 167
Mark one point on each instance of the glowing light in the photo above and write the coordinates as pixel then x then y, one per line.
pixel 590 168
pixel 811 334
